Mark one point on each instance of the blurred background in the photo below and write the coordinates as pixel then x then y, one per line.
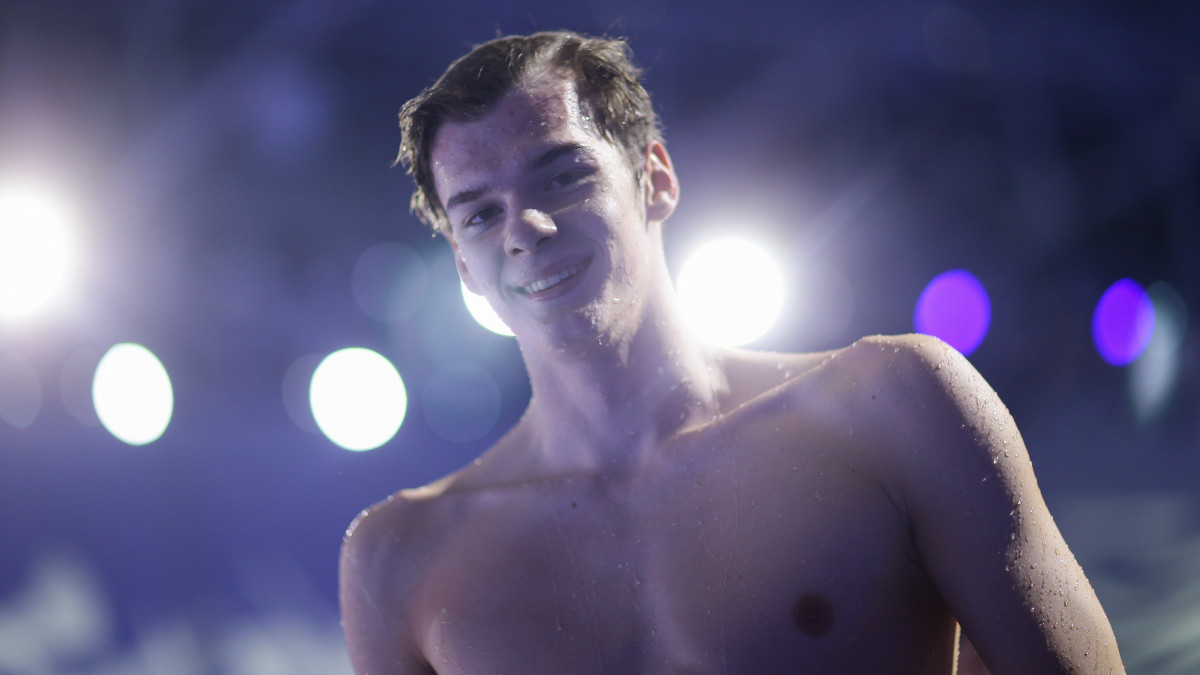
pixel 212 181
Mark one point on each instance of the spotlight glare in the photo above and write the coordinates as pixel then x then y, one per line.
pixel 132 394
pixel 731 292
pixel 358 399
pixel 37 250
pixel 483 313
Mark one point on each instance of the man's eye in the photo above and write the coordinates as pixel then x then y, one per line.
pixel 481 217
pixel 566 179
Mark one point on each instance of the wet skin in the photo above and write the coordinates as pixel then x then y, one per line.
pixel 663 507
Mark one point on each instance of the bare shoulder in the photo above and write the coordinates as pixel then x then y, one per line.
pixel 911 361
pixel 375 532
pixel 872 381
pixel 924 414
pixel 954 459
pixel 911 384
pixel 380 572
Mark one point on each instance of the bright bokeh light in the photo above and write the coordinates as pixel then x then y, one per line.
pixel 731 292
pixel 483 313
pixel 132 394
pixel 37 250
pixel 358 399
pixel 1123 322
pixel 954 307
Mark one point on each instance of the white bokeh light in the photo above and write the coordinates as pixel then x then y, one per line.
pixel 731 292
pixel 132 394
pixel 358 399
pixel 38 251
pixel 483 313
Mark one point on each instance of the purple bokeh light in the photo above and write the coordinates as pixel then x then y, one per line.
pixel 955 308
pixel 1123 322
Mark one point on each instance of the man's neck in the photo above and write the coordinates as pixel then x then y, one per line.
pixel 605 403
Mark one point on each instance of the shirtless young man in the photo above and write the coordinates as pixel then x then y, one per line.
pixel 664 506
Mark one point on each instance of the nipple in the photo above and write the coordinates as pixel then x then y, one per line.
pixel 813 615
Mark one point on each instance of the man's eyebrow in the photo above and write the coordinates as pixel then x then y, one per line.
pixel 546 158
pixel 554 153
pixel 466 196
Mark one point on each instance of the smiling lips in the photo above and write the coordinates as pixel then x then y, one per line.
pixel 553 279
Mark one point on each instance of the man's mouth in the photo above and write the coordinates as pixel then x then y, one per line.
pixel 553 279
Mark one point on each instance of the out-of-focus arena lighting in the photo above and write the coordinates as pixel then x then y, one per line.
pixel 390 281
pixel 731 292
pixel 1154 375
pixel 358 399
pixel 132 394
pixel 38 250
pixel 483 313
pixel 954 307
pixel 1123 322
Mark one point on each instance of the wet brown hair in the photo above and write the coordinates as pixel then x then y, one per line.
pixel 605 77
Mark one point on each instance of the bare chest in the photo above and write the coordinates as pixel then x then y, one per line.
pixel 751 554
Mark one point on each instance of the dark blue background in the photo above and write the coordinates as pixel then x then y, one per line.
pixel 232 160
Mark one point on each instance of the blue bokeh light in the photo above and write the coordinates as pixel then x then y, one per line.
pixel 1123 322
pixel 955 308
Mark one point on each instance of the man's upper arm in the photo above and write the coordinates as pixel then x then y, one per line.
pixel 979 523
pixel 375 615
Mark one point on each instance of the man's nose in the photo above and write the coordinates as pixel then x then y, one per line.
pixel 528 228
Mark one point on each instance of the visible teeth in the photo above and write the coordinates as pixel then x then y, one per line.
pixel 543 284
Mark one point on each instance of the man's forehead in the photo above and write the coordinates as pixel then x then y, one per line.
pixel 534 116
pixel 529 111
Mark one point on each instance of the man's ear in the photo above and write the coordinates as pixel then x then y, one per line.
pixel 460 262
pixel 662 194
